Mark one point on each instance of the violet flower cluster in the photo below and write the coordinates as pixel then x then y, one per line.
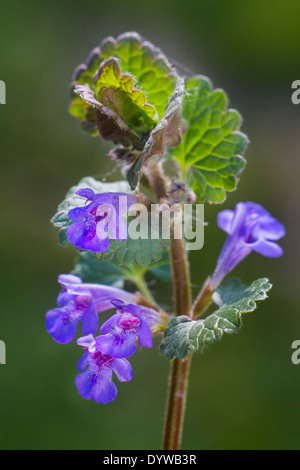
pixel 249 227
pixel 106 353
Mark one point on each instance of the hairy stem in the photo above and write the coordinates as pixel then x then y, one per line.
pixel 180 277
pixel 139 281
pixel 179 372
pixel 203 300
pixel 179 369
pixel 157 180
pixel 176 403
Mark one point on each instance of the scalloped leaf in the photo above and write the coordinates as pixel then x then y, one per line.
pixel 210 153
pixel 118 105
pixel 184 335
pixel 109 123
pixel 140 251
pixel 110 76
pixel 155 77
pixel 72 200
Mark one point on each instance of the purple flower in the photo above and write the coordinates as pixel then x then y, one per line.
pixel 92 222
pixel 77 302
pixel 96 381
pixel 250 228
pixel 120 332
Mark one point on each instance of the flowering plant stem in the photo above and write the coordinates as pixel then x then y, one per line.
pixel 139 281
pixel 179 372
pixel 203 300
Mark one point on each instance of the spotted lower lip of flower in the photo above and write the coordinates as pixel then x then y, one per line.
pixel 250 228
pixel 94 221
pixel 120 332
pixel 96 381
pixel 80 302
pixel 62 322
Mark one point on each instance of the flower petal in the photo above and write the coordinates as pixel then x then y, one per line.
pixel 90 320
pixel 101 294
pixel 104 391
pixel 84 237
pixel 144 334
pixel 78 214
pixel 110 323
pixel 85 383
pixel 120 229
pixel 224 220
pixel 267 248
pixel 83 362
pixel 61 326
pixel 86 193
pixel 69 280
pixel 117 345
pixel 87 342
pixel 123 370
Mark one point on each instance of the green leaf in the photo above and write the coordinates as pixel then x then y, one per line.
pixel 72 200
pixel 141 252
pixel 162 269
pixel 150 67
pixel 141 63
pixel 109 123
pixel 144 244
pixel 118 105
pixel 210 153
pixel 91 270
pixel 233 298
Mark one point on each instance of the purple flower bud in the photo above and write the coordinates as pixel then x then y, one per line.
pixel 250 228
pixel 120 332
pixel 96 381
pixel 77 302
pixel 93 221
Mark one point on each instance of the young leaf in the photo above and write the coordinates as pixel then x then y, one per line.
pixel 148 67
pixel 233 298
pixel 210 153
pixel 113 95
pixel 129 93
pixel 152 70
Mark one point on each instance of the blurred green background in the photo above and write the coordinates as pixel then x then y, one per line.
pixel 244 391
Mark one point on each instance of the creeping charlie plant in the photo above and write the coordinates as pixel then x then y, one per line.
pixel 131 95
